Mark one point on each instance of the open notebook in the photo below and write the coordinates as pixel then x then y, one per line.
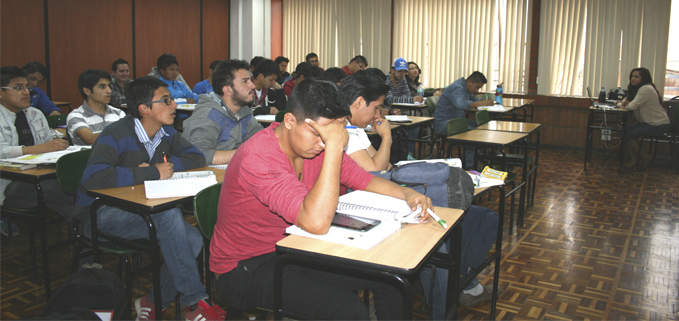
pixel 180 184
pixel 390 211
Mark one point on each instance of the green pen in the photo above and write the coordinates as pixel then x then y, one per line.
pixel 437 218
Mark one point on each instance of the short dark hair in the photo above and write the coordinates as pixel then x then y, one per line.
pixel 317 98
pixel 309 56
pixel 267 68
pixel 166 60
pixel 280 59
pixel 9 73
pixel 359 59
pixel 35 66
pixel 256 61
pixel 363 84
pixel 225 73
pixel 376 72
pixel 120 61
pixel 477 77
pixel 333 74
pixel 214 65
pixel 141 91
pixel 90 78
pixel 307 70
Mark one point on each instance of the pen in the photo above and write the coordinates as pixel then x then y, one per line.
pixel 164 157
pixel 437 218
pixel 351 127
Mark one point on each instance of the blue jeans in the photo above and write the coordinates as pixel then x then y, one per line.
pixel 179 241
pixel 437 301
pixel 640 129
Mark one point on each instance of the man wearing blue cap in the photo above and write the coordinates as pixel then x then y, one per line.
pixel 399 92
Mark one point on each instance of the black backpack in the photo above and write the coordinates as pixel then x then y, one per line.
pixel 94 289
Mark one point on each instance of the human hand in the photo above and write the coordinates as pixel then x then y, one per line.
pixel 273 110
pixel 415 199
pixel 333 134
pixel 165 170
pixel 395 111
pixel 144 164
pixel 55 112
pixel 418 99
pixel 276 86
pixel 438 93
pixel 384 112
pixel 55 145
pixel 381 126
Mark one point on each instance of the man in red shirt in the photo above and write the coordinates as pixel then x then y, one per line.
pixel 357 63
pixel 290 173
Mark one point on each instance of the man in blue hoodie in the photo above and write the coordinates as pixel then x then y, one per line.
pixel 169 70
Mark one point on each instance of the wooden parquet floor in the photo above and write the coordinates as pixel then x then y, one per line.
pixel 597 245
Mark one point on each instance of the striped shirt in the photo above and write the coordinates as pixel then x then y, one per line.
pixel 144 138
pixel 85 117
pixel 398 94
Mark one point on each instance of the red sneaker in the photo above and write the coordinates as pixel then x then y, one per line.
pixel 204 311
pixel 145 309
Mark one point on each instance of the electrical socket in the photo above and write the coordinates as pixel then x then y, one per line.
pixel 605 134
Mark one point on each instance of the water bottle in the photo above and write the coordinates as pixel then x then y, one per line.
pixel 420 91
pixel 602 95
pixel 498 94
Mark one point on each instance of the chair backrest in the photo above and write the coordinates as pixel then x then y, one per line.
pixel 456 126
pixel 70 168
pixel 279 116
pixel 431 104
pixel 205 209
pixel 673 113
pixel 54 121
pixel 482 117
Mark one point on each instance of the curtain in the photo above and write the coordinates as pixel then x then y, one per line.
pixel 595 43
pixel 337 30
pixel 515 34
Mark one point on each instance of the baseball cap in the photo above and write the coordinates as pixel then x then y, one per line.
pixel 400 64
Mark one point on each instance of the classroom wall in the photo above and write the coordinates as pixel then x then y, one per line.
pixel 84 34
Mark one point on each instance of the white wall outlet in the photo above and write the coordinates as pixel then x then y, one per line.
pixel 605 134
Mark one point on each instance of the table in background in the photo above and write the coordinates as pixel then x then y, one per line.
pixel 133 199
pixel 499 140
pixel 35 176
pixel 520 127
pixel 399 255
pixel 617 118
pixel 63 104
pixel 412 108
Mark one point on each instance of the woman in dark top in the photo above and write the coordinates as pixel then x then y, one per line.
pixel 414 81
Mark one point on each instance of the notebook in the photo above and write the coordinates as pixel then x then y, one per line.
pixel 398 118
pixel 180 184
pixel 389 210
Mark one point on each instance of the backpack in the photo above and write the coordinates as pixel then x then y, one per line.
pixel 94 289
pixel 447 186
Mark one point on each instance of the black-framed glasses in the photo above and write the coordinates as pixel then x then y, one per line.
pixel 19 88
pixel 168 101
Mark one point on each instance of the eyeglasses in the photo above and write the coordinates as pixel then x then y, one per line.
pixel 168 101
pixel 19 88
pixel 313 61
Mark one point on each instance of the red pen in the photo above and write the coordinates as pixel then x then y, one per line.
pixel 164 157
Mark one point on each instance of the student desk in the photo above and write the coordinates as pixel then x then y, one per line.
pixel 412 108
pixel 35 176
pixel 614 119
pixel 400 255
pixel 519 127
pixel 133 199
pixel 522 104
pixel 499 140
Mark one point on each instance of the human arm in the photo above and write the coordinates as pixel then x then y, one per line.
pixel 644 94
pixel 87 136
pixel 398 93
pixel 53 145
pixel 42 102
pixel 375 160
pixel 382 186
pixel 204 134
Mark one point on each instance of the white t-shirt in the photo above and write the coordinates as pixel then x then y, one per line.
pixel 358 140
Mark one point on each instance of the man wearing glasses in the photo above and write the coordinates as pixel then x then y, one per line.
pixel 144 146
pixel 223 120
pixel 312 58
pixel 24 131
pixel 36 74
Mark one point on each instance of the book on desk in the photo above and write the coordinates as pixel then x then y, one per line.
pixel 390 211
pixel 180 184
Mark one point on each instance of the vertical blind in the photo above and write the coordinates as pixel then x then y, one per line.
pixel 337 30
pixel 451 39
pixel 595 43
